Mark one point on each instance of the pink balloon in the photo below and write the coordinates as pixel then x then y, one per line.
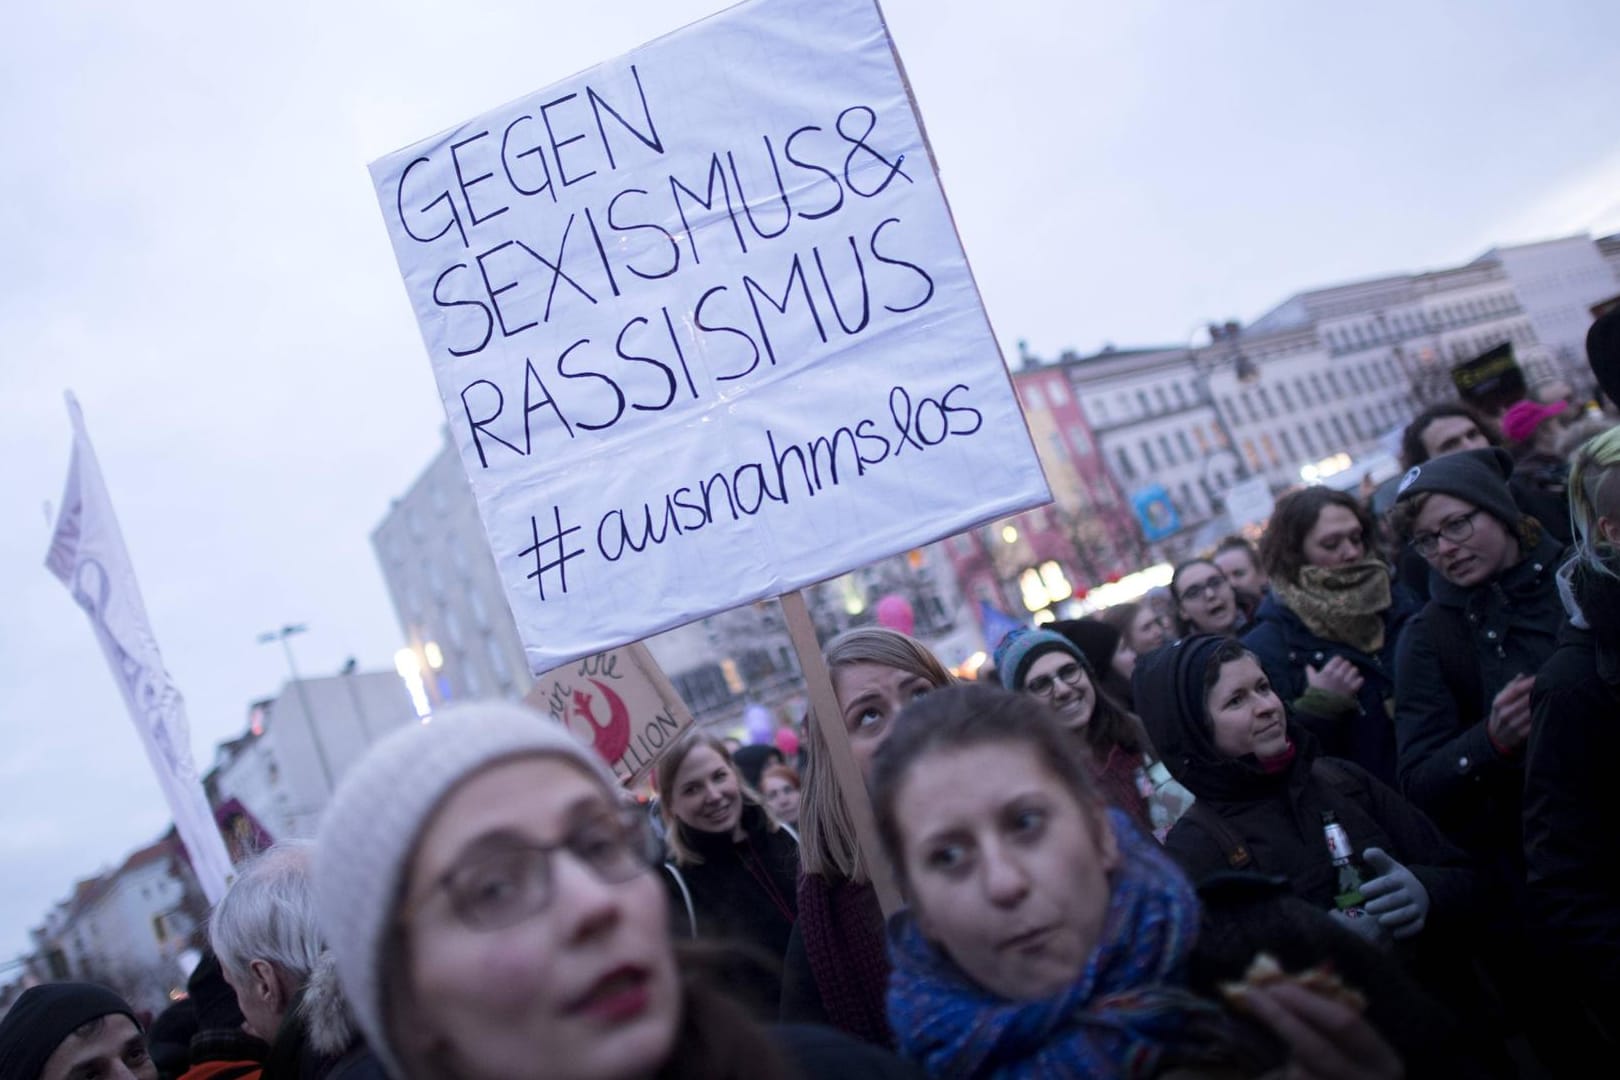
pixel 894 611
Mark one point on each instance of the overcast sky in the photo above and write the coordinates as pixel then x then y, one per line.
pixel 192 246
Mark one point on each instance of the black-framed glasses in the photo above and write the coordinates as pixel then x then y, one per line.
pixel 507 882
pixel 1209 587
pixel 1455 529
pixel 1043 685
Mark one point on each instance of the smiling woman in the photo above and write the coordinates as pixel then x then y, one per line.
pixel 734 868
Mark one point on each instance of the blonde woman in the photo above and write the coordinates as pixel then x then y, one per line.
pixel 837 967
pixel 733 868
pixel 1569 808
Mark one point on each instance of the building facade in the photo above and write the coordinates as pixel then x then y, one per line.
pixel 1328 378
pixel 298 745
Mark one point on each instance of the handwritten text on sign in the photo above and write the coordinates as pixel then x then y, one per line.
pixel 702 326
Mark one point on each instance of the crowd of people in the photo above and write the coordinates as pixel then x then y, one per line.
pixel 1331 806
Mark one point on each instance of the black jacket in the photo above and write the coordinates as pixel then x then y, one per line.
pixel 1286 646
pixel 1278 815
pixel 1455 657
pixel 1571 816
pixel 743 892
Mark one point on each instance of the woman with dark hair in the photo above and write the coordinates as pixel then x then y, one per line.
pixel 1270 802
pixel 492 907
pixel 837 965
pixel 1205 602
pixel 733 870
pixel 1327 630
pixel 1110 656
pixel 1051 668
pixel 1044 936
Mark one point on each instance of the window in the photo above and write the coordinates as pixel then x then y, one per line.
pixel 1057 393
pixel 1251 455
pixel 1265 402
pixel 470 679
pixel 1183 442
pixel 1338 429
pixel 497 662
pixel 480 610
pixel 1321 430
pixel 1288 446
pixel 1248 407
pixel 1353 379
pixel 1164 448
pixel 1147 453
pixel 1180 394
pixel 1032 396
pixel 1230 410
pixel 1316 384
pixel 1355 425
pixel 1333 384
pixel 435 576
pixel 1287 398
pixel 1187 506
pixel 452 627
pixel 1141 399
pixel 1126 469
pixel 1304 392
pixel 1158 396
pixel 1270 449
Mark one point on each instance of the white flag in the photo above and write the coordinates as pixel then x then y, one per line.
pixel 88 554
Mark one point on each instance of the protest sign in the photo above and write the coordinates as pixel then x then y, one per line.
pixel 1490 381
pixel 619 703
pixel 702 326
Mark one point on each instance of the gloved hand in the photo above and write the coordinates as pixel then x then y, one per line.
pixel 1396 898
pixel 1364 926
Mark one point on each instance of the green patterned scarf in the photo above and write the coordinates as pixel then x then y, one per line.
pixel 1342 603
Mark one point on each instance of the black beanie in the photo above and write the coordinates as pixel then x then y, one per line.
pixel 1095 638
pixel 1479 477
pixel 44 1016
pixel 215 1001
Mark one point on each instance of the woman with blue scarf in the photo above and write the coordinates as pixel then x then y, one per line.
pixel 1047 937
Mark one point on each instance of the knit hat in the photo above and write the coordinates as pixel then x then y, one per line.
pixel 1519 423
pixel 370 831
pixel 44 1016
pixel 1022 647
pixel 1478 476
pixel 1095 638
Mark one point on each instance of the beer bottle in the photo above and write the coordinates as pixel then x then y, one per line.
pixel 1344 860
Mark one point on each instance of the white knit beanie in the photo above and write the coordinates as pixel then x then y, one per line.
pixel 369 832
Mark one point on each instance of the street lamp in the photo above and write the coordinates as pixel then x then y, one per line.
pixel 303 695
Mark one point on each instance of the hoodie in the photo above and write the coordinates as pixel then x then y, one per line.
pixel 1277 814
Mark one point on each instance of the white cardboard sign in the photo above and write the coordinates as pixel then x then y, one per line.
pixel 619 704
pixel 702 326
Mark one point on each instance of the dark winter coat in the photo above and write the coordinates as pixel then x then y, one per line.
pixel 319 1040
pixel 1278 815
pixel 1571 812
pixel 744 892
pixel 1455 657
pixel 1286 646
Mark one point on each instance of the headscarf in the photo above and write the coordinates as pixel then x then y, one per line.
pixel 44 1016
pixel 1128 1014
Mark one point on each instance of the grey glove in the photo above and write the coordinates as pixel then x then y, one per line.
pixel 1364 926
pixel 1396 898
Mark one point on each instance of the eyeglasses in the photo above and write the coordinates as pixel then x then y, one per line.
pixel 1071 673
pixel 504 885
pixel 1456 530
pixel 1208 588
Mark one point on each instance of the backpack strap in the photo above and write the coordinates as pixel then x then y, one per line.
pixel 686 896
pixel 1232 845
pixel 1453 644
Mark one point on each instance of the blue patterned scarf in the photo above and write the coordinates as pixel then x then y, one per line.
pixel 1128 1014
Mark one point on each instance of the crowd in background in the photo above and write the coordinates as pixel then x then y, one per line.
pixel 1330 805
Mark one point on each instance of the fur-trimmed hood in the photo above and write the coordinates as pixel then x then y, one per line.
pixel 329 1024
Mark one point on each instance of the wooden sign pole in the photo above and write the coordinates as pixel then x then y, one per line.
pixel 827 716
